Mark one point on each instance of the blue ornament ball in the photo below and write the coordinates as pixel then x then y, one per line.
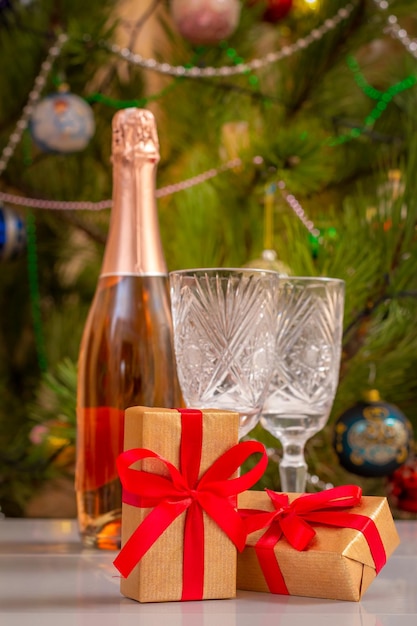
pixel 373 438
pixel 12 234
pixel 62 123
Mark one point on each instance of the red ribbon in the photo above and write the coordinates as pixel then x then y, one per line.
pixel 181 491
pixel 291 521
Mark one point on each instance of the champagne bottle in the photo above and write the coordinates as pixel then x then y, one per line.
pixel 126 354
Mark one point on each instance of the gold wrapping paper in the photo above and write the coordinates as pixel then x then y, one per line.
pixel 337 564
pixel 158 576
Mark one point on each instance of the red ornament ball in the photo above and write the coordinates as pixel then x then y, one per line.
pixel 402 487
pixel 205 22
pixel 275 10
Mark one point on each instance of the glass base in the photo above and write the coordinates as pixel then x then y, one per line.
pixel 99 516
pixel 103 535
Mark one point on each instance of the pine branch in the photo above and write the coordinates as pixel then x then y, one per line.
pixel 89 229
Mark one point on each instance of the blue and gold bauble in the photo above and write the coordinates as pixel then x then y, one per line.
pixel 373 438
pixel 62 123
pixel 12 234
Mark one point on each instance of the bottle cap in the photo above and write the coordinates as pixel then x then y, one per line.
pixel 371 395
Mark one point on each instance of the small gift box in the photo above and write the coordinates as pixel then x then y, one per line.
pixel 330 544
pixel 180 525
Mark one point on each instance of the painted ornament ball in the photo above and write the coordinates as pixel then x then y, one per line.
pixel 372 438
pixel 205 22
pixel 62 123
pixel 12 234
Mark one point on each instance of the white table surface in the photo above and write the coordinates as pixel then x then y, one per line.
pixel 48 579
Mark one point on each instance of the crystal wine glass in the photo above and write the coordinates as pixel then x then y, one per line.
pixel 306 373
pixel 224 337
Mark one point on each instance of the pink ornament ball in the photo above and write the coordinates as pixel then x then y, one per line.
pixel 205 22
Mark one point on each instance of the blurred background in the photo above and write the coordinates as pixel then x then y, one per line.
pixel 288 140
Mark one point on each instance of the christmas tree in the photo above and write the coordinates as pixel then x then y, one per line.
pixel 287 141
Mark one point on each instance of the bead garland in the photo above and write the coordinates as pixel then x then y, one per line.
pixel 393 29
pixel 54 205
pixel 164 68
pixel 34 96
pixel 194 72
pixel 238 68
pixel 124 104
pixel 383 100
pixel 293 203
pixel 57 205
pixel 396 31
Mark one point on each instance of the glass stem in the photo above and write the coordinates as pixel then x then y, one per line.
pixel 293 468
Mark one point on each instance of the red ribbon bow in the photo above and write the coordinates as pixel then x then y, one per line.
pixel 291 521
pixel 215 493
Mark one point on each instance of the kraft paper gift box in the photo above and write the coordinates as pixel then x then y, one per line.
pixel 177 499
pixel 330 561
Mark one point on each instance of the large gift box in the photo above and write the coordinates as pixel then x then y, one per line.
pixel 330 544
pixel 180 525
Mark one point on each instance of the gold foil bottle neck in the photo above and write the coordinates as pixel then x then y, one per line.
pixel 135 135
pixel 134 244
